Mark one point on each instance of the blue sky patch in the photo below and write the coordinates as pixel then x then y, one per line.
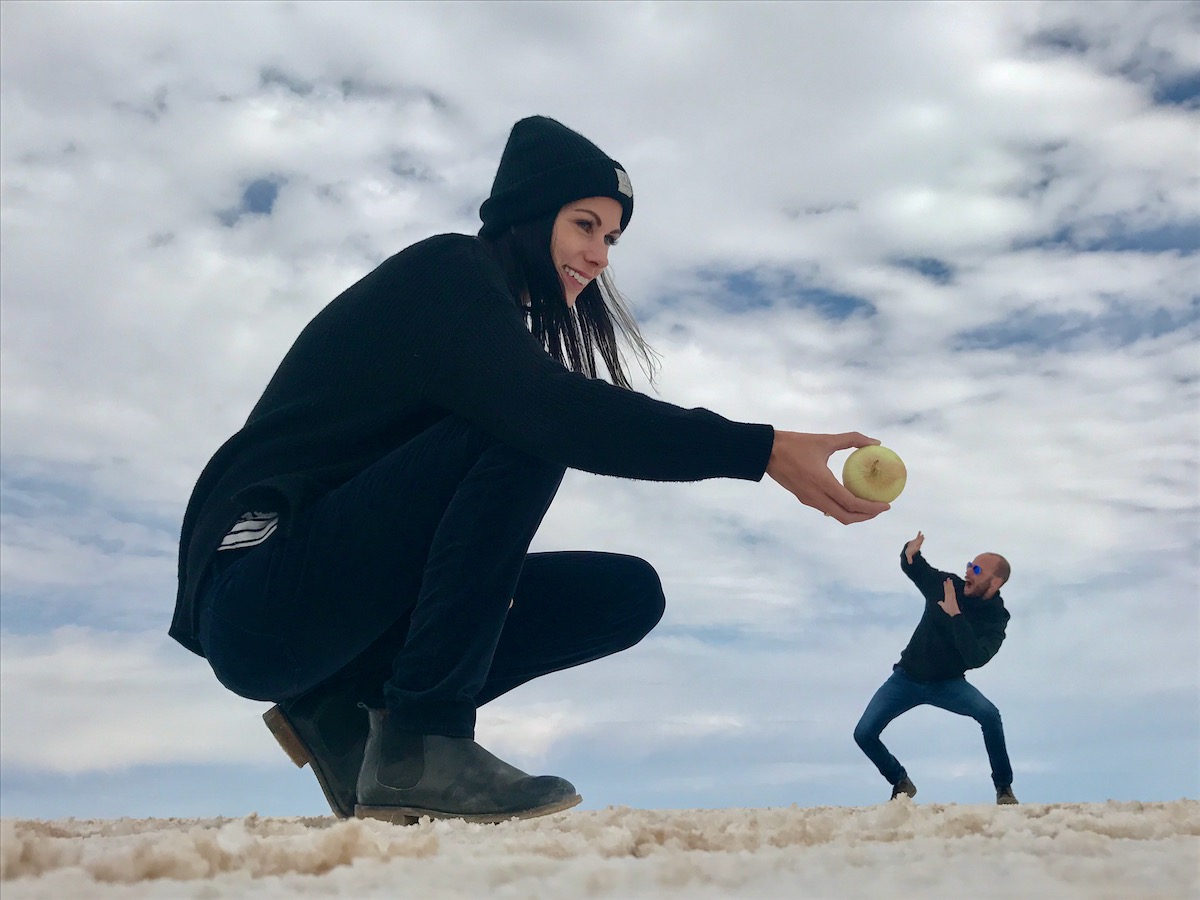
pixel 1182 90
pixel 259 196
pixel 754 289
pixel 277 77
pixel 1118 326
pixel 153 109
pixel 935 270
pixel 27 495
pixel 139 791
pixel 258 199
pixel 723 636
pixel 1145 66
pixel 1058 41
pixel 1119 237
pixel 407 166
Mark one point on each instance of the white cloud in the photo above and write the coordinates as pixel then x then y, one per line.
pixel 816 151
pixel 77 700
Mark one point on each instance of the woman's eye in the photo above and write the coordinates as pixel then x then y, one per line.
pixel 611 241
pixel 585 225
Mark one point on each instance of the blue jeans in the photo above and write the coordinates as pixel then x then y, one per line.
pixel 411 586
pixel 900 693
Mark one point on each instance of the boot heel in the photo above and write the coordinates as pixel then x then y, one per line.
pixel 288 740
pixel 384 814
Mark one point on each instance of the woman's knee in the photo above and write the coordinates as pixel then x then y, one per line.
pixel 477 441
pixel 519 465
pixel 644 588
pixel 625 591
pixel 542 472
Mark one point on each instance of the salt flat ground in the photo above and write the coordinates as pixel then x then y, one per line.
pixel 1119 850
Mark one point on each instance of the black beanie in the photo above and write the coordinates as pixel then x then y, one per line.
pixel 546 165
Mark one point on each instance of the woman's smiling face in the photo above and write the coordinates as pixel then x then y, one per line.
pixel 583 232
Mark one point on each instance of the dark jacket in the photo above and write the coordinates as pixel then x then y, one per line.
pixel 945 646
pixel 433 331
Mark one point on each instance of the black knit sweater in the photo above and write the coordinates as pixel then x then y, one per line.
pixel 433 331
pixel 945 646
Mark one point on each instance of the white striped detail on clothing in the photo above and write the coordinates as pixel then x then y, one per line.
pixel 250 530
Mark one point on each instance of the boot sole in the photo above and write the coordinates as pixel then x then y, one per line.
pixel 296 750
pixel 408 815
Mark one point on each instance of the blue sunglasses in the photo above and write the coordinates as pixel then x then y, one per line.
pixel 974 569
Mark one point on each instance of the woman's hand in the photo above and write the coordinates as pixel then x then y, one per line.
pixel 800 463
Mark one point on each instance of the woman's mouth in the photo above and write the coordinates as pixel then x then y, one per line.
pixel 576 276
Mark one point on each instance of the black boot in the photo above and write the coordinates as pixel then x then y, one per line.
pixel 326 729
pixel 904 786
pixel 406 776
pixel 1005 796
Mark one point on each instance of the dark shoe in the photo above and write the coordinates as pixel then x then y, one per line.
pixel 1005 796
pixel 327 730
pixel 904 786
pixel 406 776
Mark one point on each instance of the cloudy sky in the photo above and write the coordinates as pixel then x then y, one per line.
pixel 971 230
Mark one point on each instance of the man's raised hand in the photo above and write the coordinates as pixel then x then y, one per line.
pixel 913 547
pixel 950 604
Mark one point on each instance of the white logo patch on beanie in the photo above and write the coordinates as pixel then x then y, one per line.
pixel 624 185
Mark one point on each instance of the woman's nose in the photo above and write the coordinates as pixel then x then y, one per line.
pixel 598 254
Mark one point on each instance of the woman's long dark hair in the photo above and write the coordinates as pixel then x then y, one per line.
pixel 573 337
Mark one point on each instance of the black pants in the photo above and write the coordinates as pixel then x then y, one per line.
pixel 399 582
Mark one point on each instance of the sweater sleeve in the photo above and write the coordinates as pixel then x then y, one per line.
pixel 976 647
pixel 492 371
pixel 928 580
